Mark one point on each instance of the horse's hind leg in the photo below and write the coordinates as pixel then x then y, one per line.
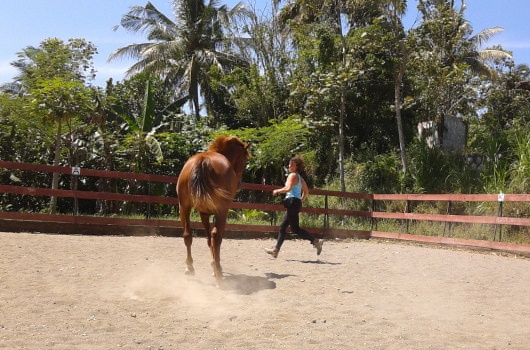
pixel 217 239
pixel 205 219
pixel 188 239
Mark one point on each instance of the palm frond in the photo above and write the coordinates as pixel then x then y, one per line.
pixel 481 68
pixel 154 147
pixel 129 51
pixel 485 35
pixel 494 54
pixel 145 19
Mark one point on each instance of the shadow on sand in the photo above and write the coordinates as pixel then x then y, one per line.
pixel 244 284
pixel 315 262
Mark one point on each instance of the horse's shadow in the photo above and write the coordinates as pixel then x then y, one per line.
pixel 244 284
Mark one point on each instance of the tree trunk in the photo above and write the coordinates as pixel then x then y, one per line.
pixel 342 112
pixel 398 79
pixel 341 141
pixel 399 72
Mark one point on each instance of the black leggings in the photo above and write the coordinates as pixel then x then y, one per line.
pixel 291 219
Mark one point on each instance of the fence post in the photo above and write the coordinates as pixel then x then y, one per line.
pixel 407 210
pixel 273 212
pixel 500 199
pixel 447 212
pixel 75 207
pixel 374 221
pixel 148 214
pixel 75 172
pixel 326 215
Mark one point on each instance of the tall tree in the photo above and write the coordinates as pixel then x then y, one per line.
pixel 259 93
pixel 395 10
pixel 319 23
pixel 446 58
pixel 53 77
pixel 182 51
pixel 381 23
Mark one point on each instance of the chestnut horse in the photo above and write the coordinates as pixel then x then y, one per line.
pixel 208 183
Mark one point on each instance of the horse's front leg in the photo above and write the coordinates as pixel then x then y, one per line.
pixel 188 239
pixel 215 248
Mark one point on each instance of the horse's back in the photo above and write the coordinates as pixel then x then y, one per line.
pixel 206 182
pixel 211 164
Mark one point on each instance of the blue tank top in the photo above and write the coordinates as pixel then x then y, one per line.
pixel 296 190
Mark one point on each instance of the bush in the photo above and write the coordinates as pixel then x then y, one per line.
pixel 379 175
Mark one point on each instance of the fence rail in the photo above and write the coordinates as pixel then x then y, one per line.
pixel 325 231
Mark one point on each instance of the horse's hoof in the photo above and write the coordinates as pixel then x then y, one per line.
pixel 189 272
pixel 219 281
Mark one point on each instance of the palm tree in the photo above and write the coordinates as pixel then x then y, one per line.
pixel 454 55
pixel 478 59
pixel 182 51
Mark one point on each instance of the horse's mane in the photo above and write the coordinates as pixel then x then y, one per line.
pixel 221 143
pixel 226 144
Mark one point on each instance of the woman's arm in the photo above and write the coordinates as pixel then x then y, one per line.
pixel 289 183
pixel 305 190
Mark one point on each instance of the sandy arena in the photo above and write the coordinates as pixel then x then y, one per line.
pixel 101 292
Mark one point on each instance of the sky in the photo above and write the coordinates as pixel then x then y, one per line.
pixel 26 23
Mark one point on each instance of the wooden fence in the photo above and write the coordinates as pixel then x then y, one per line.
pixel 11 220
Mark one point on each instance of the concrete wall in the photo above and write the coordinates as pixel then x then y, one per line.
pixel 455 134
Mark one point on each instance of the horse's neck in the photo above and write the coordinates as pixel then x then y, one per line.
pixel 239 168
pixel 231 156
pixel 234 160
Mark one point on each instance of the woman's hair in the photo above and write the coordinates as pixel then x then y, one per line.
pixel 297 160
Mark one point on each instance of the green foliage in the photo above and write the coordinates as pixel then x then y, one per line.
pixel 520 167
pixel 143 140
pixel 250 216
pixel 379 174
pixel 56 98
pixel 52 77
pixel 435 171
pixel 273 146
pixel 256 97
pixel 70 61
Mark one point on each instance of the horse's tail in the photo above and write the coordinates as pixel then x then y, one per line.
pixel 204 192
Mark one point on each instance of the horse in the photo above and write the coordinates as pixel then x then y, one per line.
pixel 208 183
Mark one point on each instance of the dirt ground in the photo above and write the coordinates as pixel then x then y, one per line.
pixel 109 292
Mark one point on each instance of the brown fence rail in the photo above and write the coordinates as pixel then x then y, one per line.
pixel 374 216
